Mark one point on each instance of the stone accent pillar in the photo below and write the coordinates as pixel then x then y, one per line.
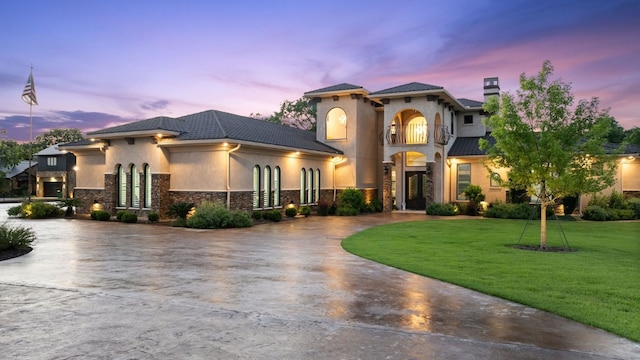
pixel 160 196
pixel 430 188
pixel 387 199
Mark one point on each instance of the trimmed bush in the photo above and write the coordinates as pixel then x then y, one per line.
pixel 210 215
pixel 15 211
pixel 595 213
pixel 119 214
pixel 375 205
pixel 153 216
pixel 241 218
pixel 15 237
pixel 256 215
pixel 36 210
pixel 291 212
pixel 502 210
pixel 474 194
pixel 305 210
pixel 273 215
pixel 101 215
pixel 323 207
pixel 351 198
pixel 611 208
pixel 347 211
pixel 634 205
pixel 441 209
pixel 129 217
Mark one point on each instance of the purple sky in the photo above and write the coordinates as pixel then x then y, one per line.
pixel 103 63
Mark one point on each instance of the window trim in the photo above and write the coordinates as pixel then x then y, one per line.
pixel 122 185
pixel 331 115
pixel 256 187
pixel 460 189
pixel 147 186
pixel 266 187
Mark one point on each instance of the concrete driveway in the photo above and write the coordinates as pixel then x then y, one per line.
pixel 94 290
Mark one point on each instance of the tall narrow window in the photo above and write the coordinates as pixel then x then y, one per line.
pixel 147 186
pixel 276 186
pixel 336 124
pixel 310 186
pixel 122 186
pixel 316 187
pixel 464 179
pixel 135 187
pixel 303 183
pixel 256 187
pixel 266 183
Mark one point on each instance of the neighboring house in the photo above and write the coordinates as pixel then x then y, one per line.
pixel 56 175
pixel 408 145
pixel 18 177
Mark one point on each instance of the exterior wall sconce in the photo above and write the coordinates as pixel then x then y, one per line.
pixel 291 205
pixel 386 169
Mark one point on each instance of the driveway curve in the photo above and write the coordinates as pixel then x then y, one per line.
pixel 96 290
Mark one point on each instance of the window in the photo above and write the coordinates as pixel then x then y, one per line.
pixel 276 186
pixel 135 187
pixel 147 186
pixel 316 192
pixel 303 183
pixel 266 187
pixel 495 180
pixel 464 179
pixel 122 186
pixel 468 119
pixel 256 187
pixel 309 186
pixel 52 161
pixel 336 124
pixel 451 127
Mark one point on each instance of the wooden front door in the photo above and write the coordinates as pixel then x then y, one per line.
pixel 415 190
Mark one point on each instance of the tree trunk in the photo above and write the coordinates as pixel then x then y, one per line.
pixel 543 216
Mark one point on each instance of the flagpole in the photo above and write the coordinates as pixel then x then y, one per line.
pixel 30 144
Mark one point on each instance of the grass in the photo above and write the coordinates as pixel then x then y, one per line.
pixel 597 285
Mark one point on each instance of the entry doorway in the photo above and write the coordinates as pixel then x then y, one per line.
pixel 415 190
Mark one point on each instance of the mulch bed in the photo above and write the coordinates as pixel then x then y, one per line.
pixel 545 249
pixel 14 253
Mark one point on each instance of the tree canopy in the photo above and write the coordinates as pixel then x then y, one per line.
pixel 11 153
pixel 300 114
pixel 57 136
pixel 551 148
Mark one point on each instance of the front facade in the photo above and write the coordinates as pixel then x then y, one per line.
pixel 408 146
pixel 55 176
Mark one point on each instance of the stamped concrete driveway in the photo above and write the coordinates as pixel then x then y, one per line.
pixel 94 290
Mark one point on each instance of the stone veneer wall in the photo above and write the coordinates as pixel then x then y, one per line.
pixel 87 198
pixel 430 191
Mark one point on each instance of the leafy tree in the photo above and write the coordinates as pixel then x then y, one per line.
pixel 632 136
pixel 57 136
pixel 300 114
pixel 616 132
pixel 551 149
pixel 11 153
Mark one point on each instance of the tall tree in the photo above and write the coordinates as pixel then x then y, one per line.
pixel 632 136
pixel 551 148
pixel 616 132
pixel 57 136
pixel 300 114
pixel 11 153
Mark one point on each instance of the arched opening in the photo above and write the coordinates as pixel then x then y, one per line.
pixel 336 124
pixel 408 127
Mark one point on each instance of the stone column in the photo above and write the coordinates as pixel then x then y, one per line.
pixel 387 199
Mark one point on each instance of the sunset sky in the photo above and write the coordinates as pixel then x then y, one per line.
pixel 103 63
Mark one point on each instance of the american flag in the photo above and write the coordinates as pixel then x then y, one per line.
pixel 29 92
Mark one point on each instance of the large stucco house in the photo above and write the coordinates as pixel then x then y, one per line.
pixel 408 146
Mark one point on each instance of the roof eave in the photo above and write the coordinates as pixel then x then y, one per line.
pixel 133 134
pixel 182 143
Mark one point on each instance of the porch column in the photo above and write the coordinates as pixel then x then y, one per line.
pixel 387 200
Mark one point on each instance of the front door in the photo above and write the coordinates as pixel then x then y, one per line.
pixel 415 190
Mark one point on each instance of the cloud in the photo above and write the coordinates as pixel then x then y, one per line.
pixel 155 105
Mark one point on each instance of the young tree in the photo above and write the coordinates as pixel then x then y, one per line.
pixel 551 149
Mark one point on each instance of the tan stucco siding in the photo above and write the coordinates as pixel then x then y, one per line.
pixel 479 176
pixel 142 151
pixel 90 169
pixel 630 175
pixel 198 169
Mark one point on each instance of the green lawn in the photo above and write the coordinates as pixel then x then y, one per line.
pixel 598 285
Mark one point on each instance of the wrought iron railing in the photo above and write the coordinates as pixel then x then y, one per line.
pixel 442 135
pixel 409 134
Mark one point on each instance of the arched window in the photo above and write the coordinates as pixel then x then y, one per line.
pixel 316 188
pixel 122 186
pixel 310 186
pixel 276 186
pixel 135 187
pixel 147 186
pixel 303 185
pixel 256 187
pixel 266 184
pixel 336 124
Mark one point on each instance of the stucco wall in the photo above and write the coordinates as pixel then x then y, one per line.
pixel 201 168
pixel 91 169
pixel 142 151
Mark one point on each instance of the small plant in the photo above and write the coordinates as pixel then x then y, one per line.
pixel 352 198
pixel 119 214
pixel 68 205
pixel 181 209
pixel 15 237
pixel 273 215
pixel 291 212
pixel 101 215
pixel 129 217
pixel 15 211
pixel 256 215
pixel 441 209
pixel 305 211
pixel 375 205
pixel 241 218
pixel 153 216
pixel 474 194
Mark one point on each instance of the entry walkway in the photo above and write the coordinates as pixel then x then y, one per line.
pixel 274 291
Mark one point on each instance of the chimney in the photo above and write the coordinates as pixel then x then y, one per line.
pixel 491 88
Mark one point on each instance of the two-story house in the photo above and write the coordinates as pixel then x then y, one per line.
pixel 55 176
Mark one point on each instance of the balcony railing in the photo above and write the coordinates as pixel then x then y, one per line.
pixel 409 134
pixel 442 135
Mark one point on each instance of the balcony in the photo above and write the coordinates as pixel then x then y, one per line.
pixel 409 134
pixel 442 135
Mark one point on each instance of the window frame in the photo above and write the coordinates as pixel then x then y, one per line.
pixel 256 187
pixel 461 185
pixel 338 131
pixel 147 186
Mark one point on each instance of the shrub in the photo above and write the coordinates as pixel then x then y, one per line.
pixel 102 215
pixel 119 214
pixel 375 205
pixel 323 207
pixel 256 215
pixel 617 201
pixel 210 215
pixel 15 211
pixel 333 208
pixel 634 205
pixel 474 194
pixel 153 216
pixel 40 210
pixel 347 211
pixel 94 215
pixel 241 218
pixel 502 210
pixel 290 212
pixel 68 205
pixel 305 210
pixel 461 207
pixel 273 215
pixel 441 209
pixel 129 217
pixel 594 212
pixel 179 222
pixel 15 237
pixel 180 209
pixel 351 198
